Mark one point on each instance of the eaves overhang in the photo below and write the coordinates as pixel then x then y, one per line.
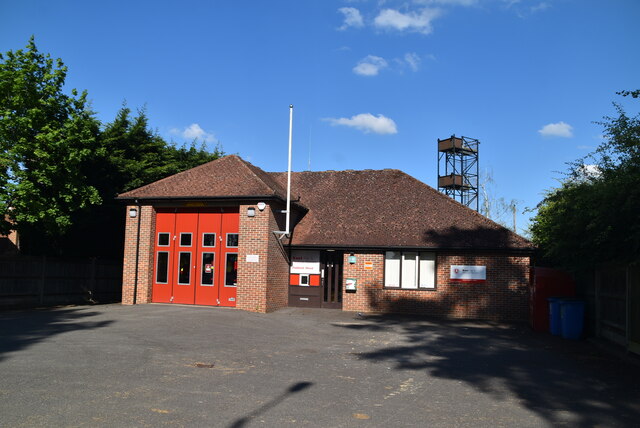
pixel 355 247
pixel 173 200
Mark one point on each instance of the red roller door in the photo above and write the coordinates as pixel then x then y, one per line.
pixel 196 253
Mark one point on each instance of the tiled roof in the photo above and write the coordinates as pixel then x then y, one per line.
pixel 370 208
pixel 388 208
pixel 229 176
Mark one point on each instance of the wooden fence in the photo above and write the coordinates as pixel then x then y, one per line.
pixel 613 305
pixel 45 281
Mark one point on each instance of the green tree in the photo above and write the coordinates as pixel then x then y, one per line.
pixel 594 217
pixel 45 138
pixel 60 170
pixel 135 155
pixel 131 156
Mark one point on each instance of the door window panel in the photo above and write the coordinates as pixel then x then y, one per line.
pixel 231 270
pixel 184 268
pixel 207 269
pixel 163 239
pixel 208 239
pixel 185 239
pixel 162 267
pixel 232 240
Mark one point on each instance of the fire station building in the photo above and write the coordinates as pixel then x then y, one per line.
pixel 370 241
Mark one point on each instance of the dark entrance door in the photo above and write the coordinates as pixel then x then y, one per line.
pixel 331 264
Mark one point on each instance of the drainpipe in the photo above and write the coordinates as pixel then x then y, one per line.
pixel 135 282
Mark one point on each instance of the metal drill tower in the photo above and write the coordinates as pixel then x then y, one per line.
pixel 458 169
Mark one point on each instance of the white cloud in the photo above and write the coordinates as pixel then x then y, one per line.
pixel 352 18
pixel 559 129
pixel 540 7
pixel 367 123
pixel 413 60
pixel 370 65
pixel 449 2
pixel 391 19
pixel 510 3
pixel 193 132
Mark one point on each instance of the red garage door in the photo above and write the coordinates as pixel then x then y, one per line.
pixel 196 256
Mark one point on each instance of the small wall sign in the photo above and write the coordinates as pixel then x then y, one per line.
pixel 350 285
pixel 305 262
pixel 463 273
pixel 368 265
pixel 253 258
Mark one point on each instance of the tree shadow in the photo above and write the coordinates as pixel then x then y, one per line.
pixel 492 237
pixel 293 389
pixel 21 329
pixel 564 382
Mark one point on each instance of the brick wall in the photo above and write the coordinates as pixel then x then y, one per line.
pixel 504 296
pixel 262 286
pixel 147 218
pixel 278 269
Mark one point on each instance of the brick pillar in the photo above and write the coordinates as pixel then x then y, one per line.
pixel 262 285
pixel 278 270
pixel 144 247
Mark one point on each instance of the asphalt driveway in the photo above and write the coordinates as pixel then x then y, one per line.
pixel 157 365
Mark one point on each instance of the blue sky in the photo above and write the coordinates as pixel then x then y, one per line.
pixel 374 83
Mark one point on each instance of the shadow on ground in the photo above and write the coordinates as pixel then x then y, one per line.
pixel 564 382
pixel 20 329
pixel 293 389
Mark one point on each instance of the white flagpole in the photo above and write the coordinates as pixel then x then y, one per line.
pixel 289 170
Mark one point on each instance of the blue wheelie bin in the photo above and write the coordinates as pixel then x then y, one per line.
pixel 572 318
pixel 555 326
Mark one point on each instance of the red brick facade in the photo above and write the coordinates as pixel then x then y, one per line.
pixel 503 296
pixel 147 217
pixel 262 286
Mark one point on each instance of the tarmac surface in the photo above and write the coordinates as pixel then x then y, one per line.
pixel 170 365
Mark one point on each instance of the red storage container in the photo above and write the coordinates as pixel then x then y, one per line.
pixel 547 283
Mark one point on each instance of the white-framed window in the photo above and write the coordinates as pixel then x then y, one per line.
pixel 410 270
pixel 162 267
pixel 209 240
pixel 164 239
pixel 232 240
pixel 231 270
pixel 185 239
pixel 184 267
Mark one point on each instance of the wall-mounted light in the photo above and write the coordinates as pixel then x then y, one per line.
pixel 133 212
pixel 251 212
pixel 352 258
pixel 261 206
